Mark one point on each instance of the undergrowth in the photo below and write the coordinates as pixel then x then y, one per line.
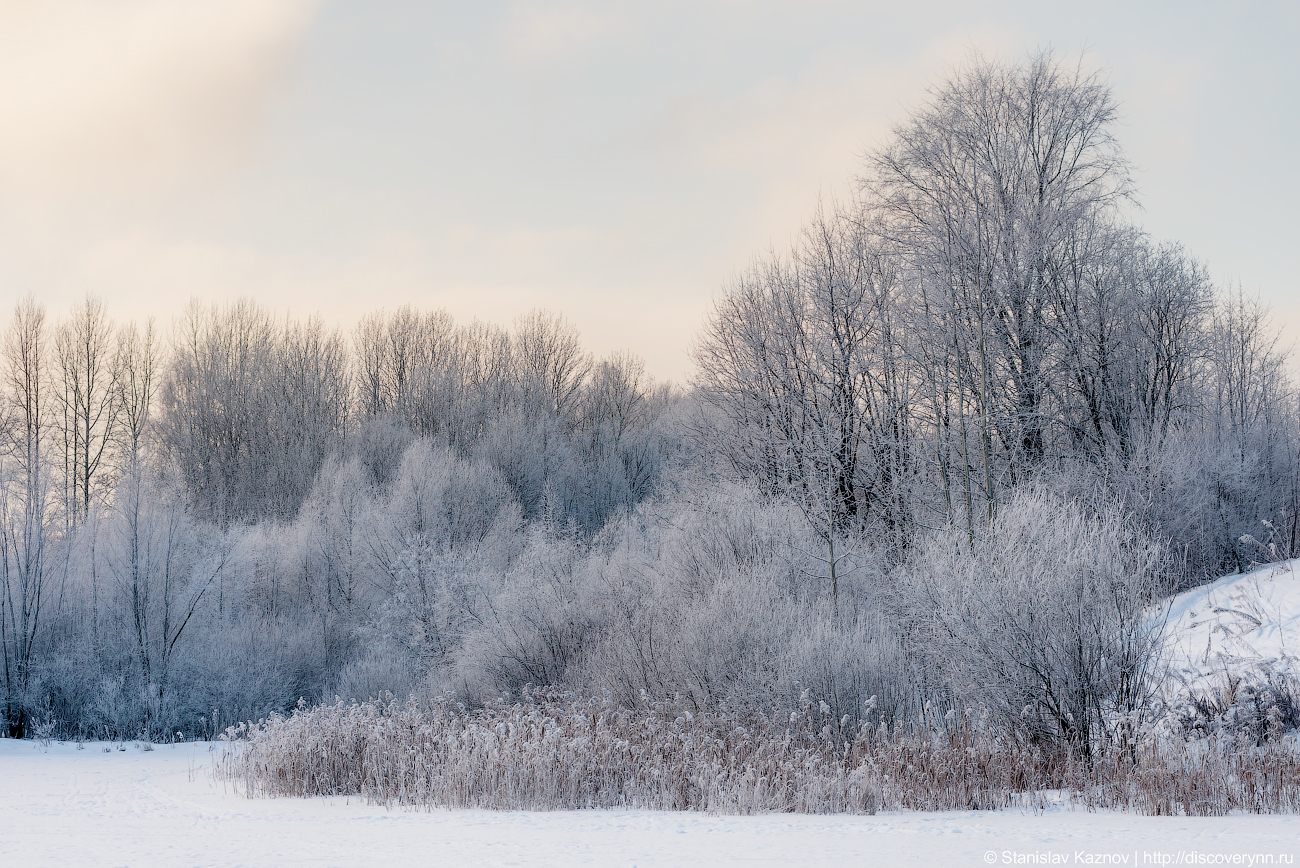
pixel 557 752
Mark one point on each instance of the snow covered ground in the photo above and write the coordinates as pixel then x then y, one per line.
pixel 1246 626
pixel 68 807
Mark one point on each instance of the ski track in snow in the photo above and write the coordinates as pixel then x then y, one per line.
pixel 60 806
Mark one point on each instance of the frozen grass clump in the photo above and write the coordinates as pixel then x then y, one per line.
pixel 549 752
pixel 557 752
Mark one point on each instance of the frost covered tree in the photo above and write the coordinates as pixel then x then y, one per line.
pixel 802 358
pixel 162 565
pixel 996 187
pixel 549 353
pixel 250 408
pixel 88 399
pixel 27 519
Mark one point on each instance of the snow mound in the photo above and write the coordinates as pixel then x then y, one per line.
pixel 1241 629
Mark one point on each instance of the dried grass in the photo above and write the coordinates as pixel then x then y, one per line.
pixel 554 752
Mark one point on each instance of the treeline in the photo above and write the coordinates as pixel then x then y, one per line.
pixel 251 408
pixel 252 495
pixel 944 452
pixel 980 313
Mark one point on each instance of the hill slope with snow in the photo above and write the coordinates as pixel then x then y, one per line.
pixel 1230 640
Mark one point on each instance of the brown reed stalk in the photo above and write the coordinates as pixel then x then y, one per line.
pixel 557 752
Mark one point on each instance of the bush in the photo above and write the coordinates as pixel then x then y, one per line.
pixel 1043 618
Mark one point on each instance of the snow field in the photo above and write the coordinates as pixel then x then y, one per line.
pixel 60 806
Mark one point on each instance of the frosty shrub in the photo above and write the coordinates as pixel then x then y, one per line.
pixel 713 598
pixel 1044 618
pixel 380 670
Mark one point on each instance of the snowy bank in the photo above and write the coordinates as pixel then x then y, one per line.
pixel 1234 638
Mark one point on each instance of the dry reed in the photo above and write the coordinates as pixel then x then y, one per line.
pixel 555 752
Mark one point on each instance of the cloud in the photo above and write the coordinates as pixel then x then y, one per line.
pixel 548 31
pixel 126 95
pixel 788 139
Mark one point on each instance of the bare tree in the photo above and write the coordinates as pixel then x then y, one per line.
pixel 306 397
pixel 1247 364
pixel 137 385
pixel 549 353
pixel 89 402
pixel 210 405
pixel 408 364
pixel 370 356
pixel 485 380
pixel 803 361
pixel 250 408
pixel 1131 320
pixel 992 187
pixel 26 534
pixel 615 394
pixel 162 568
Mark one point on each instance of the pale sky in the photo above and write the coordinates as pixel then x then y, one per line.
pixel 614 162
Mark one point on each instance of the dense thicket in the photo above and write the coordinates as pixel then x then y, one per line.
pixel 946 450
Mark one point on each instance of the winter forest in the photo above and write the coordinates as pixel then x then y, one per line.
pixel 945 452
